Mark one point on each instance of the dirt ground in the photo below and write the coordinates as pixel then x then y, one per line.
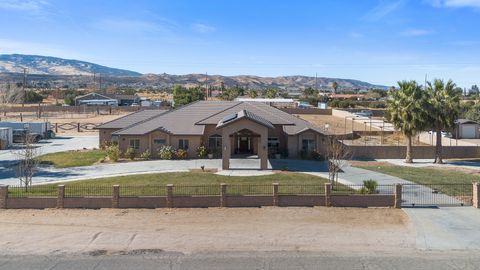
pixel 336 124
pixel 110 231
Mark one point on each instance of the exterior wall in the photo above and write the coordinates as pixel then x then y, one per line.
pixel 423 152
pixel 156 135
pixel 124 143
pixel 295 143
pixel 193 143
pixel 105 135
pixel 363 201
pixel 461 130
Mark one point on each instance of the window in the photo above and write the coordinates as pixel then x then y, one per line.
pixel 160 141
pixel 215 142
pixel 308 145
pixel 183 144
pixel 135 143
pixel 273 146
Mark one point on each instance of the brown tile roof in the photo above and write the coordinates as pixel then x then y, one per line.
pixel 243 114
pixel 190 119
pixel 131 119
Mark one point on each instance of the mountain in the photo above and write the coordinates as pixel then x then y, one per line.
pixel 44 71
pixel 47 65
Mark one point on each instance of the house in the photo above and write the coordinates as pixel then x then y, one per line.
pixel 229 128
pixel 276 102
pixel 99 99
pixel 466 129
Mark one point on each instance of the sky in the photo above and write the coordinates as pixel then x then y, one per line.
pixel 377 41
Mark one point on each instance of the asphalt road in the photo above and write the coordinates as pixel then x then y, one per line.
pixel 249 260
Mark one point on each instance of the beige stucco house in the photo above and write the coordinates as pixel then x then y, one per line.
pixel 226 128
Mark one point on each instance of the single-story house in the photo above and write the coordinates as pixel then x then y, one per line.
pixel 466 129
pixel 224 127
pixel 106 99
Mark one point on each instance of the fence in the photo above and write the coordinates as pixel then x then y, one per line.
pixel 157 196
pixel 415 195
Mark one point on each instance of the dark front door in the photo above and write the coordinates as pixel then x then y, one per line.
pixel 244 145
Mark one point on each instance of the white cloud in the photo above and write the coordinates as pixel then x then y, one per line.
pixel 24 5
pixel 415 32
pixel 127 25
pixel 383 9
pixel 9 46
pixel 456 3
pixel 202 28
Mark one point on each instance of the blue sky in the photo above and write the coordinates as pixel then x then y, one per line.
pixel 372 40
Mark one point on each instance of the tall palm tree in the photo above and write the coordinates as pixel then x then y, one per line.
pixel 406 111
pixel 444 107
pixel 334 86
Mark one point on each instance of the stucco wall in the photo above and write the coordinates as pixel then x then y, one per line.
pixel 105 135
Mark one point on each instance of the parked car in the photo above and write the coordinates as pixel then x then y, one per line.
pixel 21 135
pixel 364 113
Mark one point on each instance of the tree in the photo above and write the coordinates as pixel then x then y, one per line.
pixel 337 156
pixel 9 95
pixel 444 106
pixel 253 93
pixel 406 111
pixel 33 97
pixel 310 92
pixel 231 93
pixel 271 93
pixel 474 90
pixel 334 86
pixel 183 95
pixel 28 161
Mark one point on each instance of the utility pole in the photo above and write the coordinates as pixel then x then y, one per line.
pixel 100 83
pixel 316 82
pixel 23 86
pixel 206 86
pixel 94 83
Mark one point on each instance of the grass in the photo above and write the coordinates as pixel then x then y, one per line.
pixel 73 158
pixel 448 181
pixel 185 183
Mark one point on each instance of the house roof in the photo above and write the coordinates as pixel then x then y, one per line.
pixel 131 119
pixel 107 96
pixel 192 118
pixel 465 121
pixel 244 114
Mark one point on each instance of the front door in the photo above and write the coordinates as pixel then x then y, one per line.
pixel 244 144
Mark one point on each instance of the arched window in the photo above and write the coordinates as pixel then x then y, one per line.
pixel 215 141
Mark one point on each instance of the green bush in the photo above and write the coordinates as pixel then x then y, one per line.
pixel 369 187
pixel 130 153
pixel 202 152
pixel 113 152
pixel 181 154
pixel 166 152
pixel 146 155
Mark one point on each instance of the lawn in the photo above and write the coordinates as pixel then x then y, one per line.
pixel 73 158
pixel 185 183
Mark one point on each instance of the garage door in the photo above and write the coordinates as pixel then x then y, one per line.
pixel 468 131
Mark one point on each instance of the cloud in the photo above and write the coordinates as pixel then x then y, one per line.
pixel 383 9
pixel 456 3
pixel 24 5
pixel 128 25
pixel 415 32
pixel 9 46
pixel 202 28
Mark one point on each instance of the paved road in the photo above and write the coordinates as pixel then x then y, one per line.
pixel 249 260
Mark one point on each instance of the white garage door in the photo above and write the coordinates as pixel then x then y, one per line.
pixel 468 131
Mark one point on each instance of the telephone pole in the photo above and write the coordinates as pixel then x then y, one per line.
pixel 94 83
pixel 23 87
pixel 206 85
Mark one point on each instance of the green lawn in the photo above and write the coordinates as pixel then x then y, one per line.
pixel 187 183
pixel 73 158
pixel 445 179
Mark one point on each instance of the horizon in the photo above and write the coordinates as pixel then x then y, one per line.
pixel 379 42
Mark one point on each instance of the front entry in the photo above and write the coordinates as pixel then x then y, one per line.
pixel 244 145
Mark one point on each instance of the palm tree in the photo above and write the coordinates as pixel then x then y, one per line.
pixel 406 111
pixel 334 86
pixel 444 106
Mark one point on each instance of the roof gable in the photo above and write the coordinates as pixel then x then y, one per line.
pixel 244 114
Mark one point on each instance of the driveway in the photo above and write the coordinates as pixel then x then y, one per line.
pixel 421 163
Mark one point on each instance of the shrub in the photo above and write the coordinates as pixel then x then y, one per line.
pixel 145 155
pixel 130 153
pixel 181 154
pixel 202 152
pixel 114 153
pixel 166 152
pixel 316 156
pixel 369 187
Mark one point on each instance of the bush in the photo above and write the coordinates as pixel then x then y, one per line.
pixel 166 152
pixel 316 156
pixel 202 152
pixel 113 152
pixel 145 155
pixel 130 153
pixel 181 154
pixel 369 187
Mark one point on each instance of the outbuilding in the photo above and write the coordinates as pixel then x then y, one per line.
pixel 466 129
pixel 6 137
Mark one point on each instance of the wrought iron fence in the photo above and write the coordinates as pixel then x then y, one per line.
pixel 41 191
pixel 253 189
pixel 437 194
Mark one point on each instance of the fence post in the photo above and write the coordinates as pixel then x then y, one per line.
pixel 115 196
pixel 223 195
pixel 275 194
pixel 328 193
pixel 78 127
pixel 3 197
pixel 398 196
pixel 170 196
pixel 56 127
pixel 475 195
pixel 60 196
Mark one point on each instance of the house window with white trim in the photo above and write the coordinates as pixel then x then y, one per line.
pixel 183 144
pixel 135 143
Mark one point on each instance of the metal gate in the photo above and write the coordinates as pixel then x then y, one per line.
pixel 428 195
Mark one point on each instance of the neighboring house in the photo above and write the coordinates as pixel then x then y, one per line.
pixel 225 127
pixel 93 99
pixel 276 102
pixel 466 129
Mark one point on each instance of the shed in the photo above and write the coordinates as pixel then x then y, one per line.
pixel 467 129
pixel 6 137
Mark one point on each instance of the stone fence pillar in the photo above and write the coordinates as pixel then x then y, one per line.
pixel 275 194
pixel 115 196
pixel 476 195
pixel 398 196
pixel 223 195
pixel 60 196
pixel 3 197
pixel 328 194
pixel 169 196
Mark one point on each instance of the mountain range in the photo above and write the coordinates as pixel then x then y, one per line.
pixel 52 70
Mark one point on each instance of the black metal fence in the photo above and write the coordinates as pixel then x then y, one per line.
pixel 436 195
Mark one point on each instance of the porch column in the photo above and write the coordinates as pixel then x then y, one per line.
pixel 226 150
pixel 263 149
